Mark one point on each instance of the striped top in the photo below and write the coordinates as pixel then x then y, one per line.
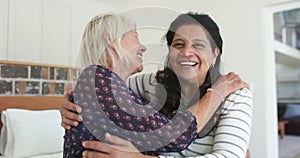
pixel 228 138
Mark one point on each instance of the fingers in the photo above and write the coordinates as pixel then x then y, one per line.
pixel 120 143
pixel 93 154
pixel 70 92
pixel 68 114
pixel 108 151
pixel 69 118
pixel 236 79
pixel 229 83
pixel 67 104
pixel 116 140
pixel 68 122
pixel 65 126
pixel 97 146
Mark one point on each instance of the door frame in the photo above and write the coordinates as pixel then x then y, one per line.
pixel 270 74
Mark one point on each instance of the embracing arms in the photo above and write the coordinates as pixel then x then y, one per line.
pixel 224 86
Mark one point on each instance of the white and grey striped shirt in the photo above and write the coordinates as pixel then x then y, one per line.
pixel 229 137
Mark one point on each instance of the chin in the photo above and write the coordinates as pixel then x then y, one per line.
pixel 187 77
pixel 138 69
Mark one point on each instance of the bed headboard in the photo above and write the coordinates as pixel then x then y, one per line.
pixel 30 102
pixel 34 86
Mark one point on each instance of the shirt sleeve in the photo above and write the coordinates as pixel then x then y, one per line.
pixel 232 134
pixel 110 106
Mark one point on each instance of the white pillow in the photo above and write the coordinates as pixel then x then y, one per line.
pixel 30 133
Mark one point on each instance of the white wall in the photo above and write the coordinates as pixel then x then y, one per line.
pixel 3 28
pixel 45 31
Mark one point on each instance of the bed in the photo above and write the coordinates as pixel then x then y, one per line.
pixel 30 127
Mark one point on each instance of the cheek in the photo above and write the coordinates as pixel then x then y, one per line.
pixel 206 59
pixel 173 56
pixel 128 44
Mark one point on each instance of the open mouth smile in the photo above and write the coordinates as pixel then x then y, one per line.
pixel 188 63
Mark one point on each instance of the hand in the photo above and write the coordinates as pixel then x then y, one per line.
pixel 248 154
pixel 68 116
pixel 228 84
pixel 120 149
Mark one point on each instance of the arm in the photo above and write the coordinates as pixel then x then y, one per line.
pixel 108 105
pixel 120 149
pixel 143 85
pixel 239 101
pixel 209 103
pixel 231 136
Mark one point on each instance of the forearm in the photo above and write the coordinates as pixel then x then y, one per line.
pixel 205 108
pixel 232 135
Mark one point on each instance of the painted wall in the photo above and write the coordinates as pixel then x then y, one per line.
pixel 45 31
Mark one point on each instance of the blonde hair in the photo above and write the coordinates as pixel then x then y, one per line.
pixel 94 48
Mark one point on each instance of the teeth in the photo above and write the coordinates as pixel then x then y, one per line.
pixel 140 55
pixel 188 63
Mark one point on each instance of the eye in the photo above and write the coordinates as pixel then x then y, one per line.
pixel 199 46
pixel 178 45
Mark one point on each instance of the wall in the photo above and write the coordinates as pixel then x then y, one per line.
pixel 44 31
pixel 3 28
pixel 32 79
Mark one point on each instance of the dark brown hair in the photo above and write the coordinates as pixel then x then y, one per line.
pixel 168 78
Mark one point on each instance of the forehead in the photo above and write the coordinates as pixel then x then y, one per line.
pixel 131 33
pixel 190 31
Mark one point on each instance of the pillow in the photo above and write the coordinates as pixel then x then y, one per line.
pixel 3 134
pixel 30 133
pixel 292 110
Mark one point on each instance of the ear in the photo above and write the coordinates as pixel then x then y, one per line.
pixel 216 54
pixel 108 41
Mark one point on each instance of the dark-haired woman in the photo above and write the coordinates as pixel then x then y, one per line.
pixel 192 72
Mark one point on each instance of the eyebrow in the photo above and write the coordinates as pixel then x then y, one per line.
pixel 178 40
pixel 194 40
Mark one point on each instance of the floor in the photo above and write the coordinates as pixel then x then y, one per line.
pixel 289 147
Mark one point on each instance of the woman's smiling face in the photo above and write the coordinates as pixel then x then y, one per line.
pixel 191 53
pixel 134 50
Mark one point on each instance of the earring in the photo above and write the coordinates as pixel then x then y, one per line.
pixel 212 66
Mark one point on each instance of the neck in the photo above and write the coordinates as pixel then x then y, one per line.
pixel 189 89
pixel 121 71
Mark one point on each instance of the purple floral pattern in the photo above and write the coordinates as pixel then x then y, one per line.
pixel 109 105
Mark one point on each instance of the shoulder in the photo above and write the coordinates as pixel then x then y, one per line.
pixel 94 68
pixel 144 79
pixel 242 96
pixel 242 93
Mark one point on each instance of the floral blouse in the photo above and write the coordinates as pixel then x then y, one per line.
pixel 109 105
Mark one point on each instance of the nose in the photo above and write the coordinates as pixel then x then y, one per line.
pixel 188 51
pixel 142 49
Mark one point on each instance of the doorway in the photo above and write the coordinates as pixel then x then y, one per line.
pixel 283 49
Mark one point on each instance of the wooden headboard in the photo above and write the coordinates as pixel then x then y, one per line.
pixel 30 102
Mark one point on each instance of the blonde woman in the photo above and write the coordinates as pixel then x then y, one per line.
pixel 123 113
